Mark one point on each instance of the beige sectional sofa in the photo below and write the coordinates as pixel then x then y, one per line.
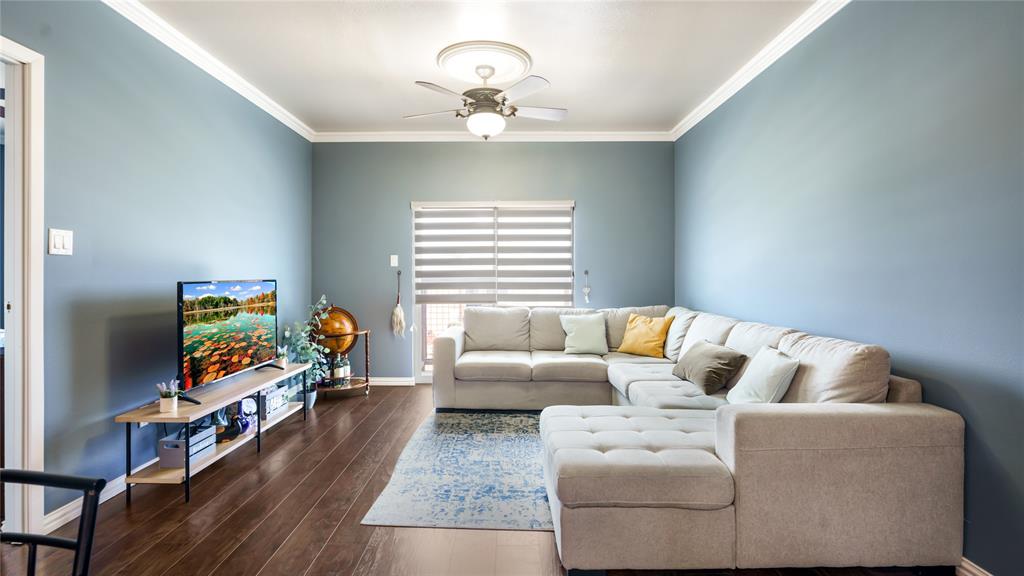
pixel 644 471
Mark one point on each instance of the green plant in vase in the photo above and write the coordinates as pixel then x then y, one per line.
pixel 304 345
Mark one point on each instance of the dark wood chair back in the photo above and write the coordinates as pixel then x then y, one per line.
pixel 82 544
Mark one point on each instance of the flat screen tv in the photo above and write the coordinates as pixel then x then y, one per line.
pixel 225 327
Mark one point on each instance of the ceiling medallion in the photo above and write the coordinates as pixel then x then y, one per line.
pixel 494 62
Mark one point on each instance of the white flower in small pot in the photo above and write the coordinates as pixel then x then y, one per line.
pixel 282 353
pixel 168 395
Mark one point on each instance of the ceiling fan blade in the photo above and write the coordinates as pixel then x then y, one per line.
pixel 440 89
pixel 541 113
pixel 522 89
pixel 455 111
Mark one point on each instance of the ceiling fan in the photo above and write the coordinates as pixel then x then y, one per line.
pixel 485 108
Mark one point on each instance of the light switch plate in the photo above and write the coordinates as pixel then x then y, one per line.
pixel 62 242
pixel 394 260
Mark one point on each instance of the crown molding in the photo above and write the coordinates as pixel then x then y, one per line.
pixel 816 15
pixel 510 136
pixel 808 22
pixel 160 29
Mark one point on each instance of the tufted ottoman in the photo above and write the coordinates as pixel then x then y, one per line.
pixel 637 488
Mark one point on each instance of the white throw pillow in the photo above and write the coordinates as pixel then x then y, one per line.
pixel 766 379
pixel 676 332
pixel 584 334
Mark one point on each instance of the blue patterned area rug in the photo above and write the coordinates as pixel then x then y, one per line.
pixel 468 470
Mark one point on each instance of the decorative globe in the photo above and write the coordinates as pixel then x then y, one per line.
pixel 339 321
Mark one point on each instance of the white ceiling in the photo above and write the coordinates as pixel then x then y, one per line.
pixel 349 66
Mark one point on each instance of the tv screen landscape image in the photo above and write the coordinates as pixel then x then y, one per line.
pixel 225 327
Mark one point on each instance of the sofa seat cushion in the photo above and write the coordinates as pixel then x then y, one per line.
pixel 554 366
pixel 487 365
pixel 621 376
pixel 623 358
pixel 627 456
pixel 679 394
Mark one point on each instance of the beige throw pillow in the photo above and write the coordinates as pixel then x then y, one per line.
pixel 708 365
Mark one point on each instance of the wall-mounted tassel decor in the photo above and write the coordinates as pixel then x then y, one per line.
pixel 398 315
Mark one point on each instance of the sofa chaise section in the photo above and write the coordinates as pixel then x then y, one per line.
pixel 829 484
pixel 637 487
pixel 826 484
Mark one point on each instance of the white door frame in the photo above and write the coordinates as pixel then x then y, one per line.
pixel 24 288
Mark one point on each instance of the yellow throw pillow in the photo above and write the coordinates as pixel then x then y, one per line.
pixel 645 336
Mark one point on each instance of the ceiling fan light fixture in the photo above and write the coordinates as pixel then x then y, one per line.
pixel 504 62
pixel 485 124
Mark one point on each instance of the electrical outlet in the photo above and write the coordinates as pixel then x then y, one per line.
pixel 62 242
pixel 394 260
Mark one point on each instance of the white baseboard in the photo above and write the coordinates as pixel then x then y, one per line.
pixel 73 509
pixel 392 381
pixel 968 568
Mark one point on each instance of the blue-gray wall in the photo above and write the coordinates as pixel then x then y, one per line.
pixel 164 174
pixel 361 214
pixel 869 185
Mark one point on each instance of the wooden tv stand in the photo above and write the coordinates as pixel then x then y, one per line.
pixel 213 398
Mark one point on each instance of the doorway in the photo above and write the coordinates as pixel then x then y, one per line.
pixel 4 434
pixel 21 317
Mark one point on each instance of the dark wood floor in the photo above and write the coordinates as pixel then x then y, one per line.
pixel 295 510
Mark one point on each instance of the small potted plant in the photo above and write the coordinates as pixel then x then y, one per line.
pixel 303 344
pixel 168 395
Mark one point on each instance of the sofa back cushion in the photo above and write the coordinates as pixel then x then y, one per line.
pixel 546 332
pixel 616 319
pixel 676 332
pixel 749 338
pixel 710 327
pixel 834 370
pixel 492 328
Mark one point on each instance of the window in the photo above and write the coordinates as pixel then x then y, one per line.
pixel 435 319
pixel 501 254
